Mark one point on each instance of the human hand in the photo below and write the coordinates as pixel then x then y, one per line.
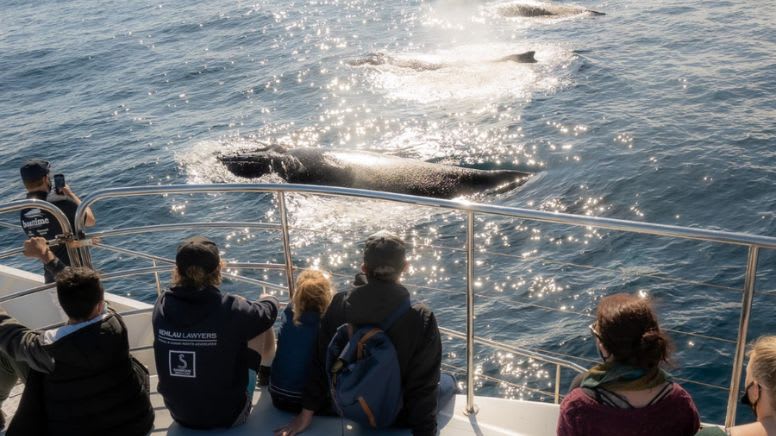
pixel 297 425
pixel 69 192
pixel 38 248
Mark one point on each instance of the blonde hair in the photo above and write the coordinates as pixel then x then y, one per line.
pixel 196 277
pixel 313 293
pixel 762 360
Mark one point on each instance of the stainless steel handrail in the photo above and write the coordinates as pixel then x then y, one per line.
pixel 187 226
pixel 170 262
pixel 558 362
pixel 534 215
pixel 754 242
pixel 56 212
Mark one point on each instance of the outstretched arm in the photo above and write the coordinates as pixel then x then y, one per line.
pixel 89 219
pixel 23 344
pixel 38 248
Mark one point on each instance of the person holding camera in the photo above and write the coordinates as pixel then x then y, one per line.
pixel 37 222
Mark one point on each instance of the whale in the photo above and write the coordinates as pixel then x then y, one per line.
pixel 418 65
pixel 543 10
pixel 368 170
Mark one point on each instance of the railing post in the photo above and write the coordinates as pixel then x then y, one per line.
pixel 84 255
pixel 471 408
pixel 286 243
pixel 743 326
pixel 73 253
pixel 156 276
pixel 557 383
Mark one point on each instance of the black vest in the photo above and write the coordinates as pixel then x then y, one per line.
pixel 96 387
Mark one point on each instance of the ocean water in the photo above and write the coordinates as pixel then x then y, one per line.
pixel 657 111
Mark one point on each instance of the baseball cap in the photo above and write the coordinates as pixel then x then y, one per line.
pixel 34 169
pixel 384 253
pixel 197 251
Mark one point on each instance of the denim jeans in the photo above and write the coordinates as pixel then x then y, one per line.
pixel 448 386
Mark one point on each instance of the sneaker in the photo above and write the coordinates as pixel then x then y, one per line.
pixel 263 375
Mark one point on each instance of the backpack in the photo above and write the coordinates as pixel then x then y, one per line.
pixel 363 372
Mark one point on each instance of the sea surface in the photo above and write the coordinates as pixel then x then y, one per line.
pixel 659 111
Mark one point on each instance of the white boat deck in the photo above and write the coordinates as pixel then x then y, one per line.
pixel 496 417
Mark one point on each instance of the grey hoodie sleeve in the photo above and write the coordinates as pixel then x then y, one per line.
pixel 23 344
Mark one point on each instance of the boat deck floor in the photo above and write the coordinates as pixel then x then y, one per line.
pixel 496 416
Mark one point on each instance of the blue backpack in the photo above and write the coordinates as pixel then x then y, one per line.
pixel 363 371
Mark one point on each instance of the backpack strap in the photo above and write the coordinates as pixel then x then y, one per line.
pixel 393 317
pixel 382 327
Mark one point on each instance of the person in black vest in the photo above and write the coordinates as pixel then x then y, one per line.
pixel 79 378
pixel 375 295
pixel 205 342
pixel 37 222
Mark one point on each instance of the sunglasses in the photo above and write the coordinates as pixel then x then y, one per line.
pixel 594 330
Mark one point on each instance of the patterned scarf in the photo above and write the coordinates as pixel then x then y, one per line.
pixel 616 376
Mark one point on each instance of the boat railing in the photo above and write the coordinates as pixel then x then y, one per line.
pixel 754 244
pixel 162 264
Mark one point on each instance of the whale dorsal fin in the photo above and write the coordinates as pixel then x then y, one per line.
pixel 522 58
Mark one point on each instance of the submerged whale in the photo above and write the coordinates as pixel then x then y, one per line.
pixel 543 10
pixel 367 170
pixel 418 65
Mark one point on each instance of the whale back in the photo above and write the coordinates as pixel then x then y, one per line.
pixel 367 170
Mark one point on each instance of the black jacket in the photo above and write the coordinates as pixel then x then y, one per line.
pixel 415 337
pixel 202 359
pixel 85 383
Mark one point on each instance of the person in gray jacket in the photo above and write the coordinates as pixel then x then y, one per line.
pixel 79 378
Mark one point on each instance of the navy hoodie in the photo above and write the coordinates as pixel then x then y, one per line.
pixel 200 345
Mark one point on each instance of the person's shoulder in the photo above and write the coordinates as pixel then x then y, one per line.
pixel 112 322
pixel 422 311
pixel 65 203
pixel 576 400
pixel 679 395
pixel 339 297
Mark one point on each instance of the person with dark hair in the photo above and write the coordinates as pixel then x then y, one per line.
pixel 206 342
pixel 37 222
pixel 629 392
pixel 375 295
pixel 79 378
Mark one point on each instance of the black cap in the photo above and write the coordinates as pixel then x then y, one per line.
pixel 384 253
pixel 34 169
pixel 197 251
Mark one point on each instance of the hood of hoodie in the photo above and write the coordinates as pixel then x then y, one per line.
pixel 373 302
pixel 184 307
pixel 93 347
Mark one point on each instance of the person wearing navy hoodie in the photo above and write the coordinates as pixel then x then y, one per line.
pixel 375 295
pixel 204 342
